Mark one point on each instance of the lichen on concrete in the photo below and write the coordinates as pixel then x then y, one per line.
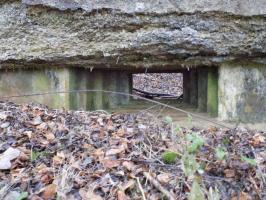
pixel 242 93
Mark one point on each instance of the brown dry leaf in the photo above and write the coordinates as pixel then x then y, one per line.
pixel 49 192
pixel 43 126
pixel 59 158
pixel 29 134
pixel 257 139
pixel 98 153
pixel 115 151
pixel 122 196
pixel 120 132
pixel 128 185
pixel 164 178
pixel 35 197
pixel 107 163
pixel 229 173
pixel 37 121
pixel 242 196
pixel 129 165
pixel 89 195
pixel 50 136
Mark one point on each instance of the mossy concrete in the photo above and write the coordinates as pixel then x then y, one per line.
pixel 19 82
pixel 202 89
pixel 193 87
pixel 242 93
pixel 212 92
pixel 186 86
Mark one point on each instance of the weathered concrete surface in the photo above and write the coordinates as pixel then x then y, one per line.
pixel 241 7
pixel 212 92
pixel 131 34
pixel 202 89
pixel 242 93
pixel 193 87
pixel 186 86
pixel 21 82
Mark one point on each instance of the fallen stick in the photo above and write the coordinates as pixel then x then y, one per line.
pixel 158 186
pixel 141 189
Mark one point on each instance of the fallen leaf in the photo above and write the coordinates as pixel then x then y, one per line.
pixel 107 163
pixel 229 173
pixel 12 195
pixel 50 136
pixel 5 125
pixel 122 196
pixel 128 165
pixel 98 153
pixel 164 178
pixel 49 192
pixel 36 121
pixel 242 196
pixel 128 185
pixel 115 151
pixel 3 116
pixel 59 158
pixel 89 195
pixel 257 139
pixel 7 156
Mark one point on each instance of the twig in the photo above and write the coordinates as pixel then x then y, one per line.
pixel 141 189
pixel 158 186
pixel 148 162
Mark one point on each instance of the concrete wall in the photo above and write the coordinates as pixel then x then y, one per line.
pixel 23 81
pixel 242 93
pixel 19 82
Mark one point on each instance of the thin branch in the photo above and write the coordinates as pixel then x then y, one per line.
pixel 158 186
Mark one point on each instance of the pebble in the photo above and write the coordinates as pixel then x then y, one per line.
pixel 5 125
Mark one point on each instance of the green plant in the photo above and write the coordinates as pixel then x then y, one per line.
pixel 22 196
pixel 189 164
pixel 196 193
pixel 220 153
pixel 168 120
pixel 169 157
pixel 249 160
pixel 196 141
pixel 189 118
pixel 35 155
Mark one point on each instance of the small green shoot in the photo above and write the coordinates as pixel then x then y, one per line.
pixel 213 194
pixel 226 141
pixel 169 157
pixel 168 120
pixel 35 155
pixel 22 196
pixel 189 164
pixel 249 160
pixel 189 118
pixel 220 153
pixel 196 192
pixel 178 129
pixel 196 141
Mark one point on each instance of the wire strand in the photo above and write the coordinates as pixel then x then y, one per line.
pixel 118 93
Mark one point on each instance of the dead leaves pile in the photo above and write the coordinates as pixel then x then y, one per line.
pixel 57 154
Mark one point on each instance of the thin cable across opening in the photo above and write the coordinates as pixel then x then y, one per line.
pixel 118 93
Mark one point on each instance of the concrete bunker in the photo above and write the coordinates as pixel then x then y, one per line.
pixel 230 92
pixel 49 45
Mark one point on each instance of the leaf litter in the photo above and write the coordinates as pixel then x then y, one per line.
pixel 58 154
